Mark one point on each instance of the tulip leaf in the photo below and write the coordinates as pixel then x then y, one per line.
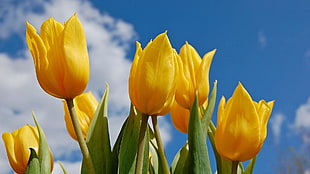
pixel 62 167
pixel 250 167
pixel 116 148
pixel 209 111
pixel 98 140
pixel 198 158
pixel 179 160
pixel 44 150
pixel 129 143
pixel 33 166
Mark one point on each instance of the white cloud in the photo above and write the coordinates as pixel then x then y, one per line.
pixel 301 123
pixel 108 40
pixel 276 122
pixel 262 39
pixel 302 118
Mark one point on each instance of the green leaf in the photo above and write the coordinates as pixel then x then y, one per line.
pixel 145 168
pixel 179 160
pixel 205 121
pixel 98 140
pixel 116 148
pixel 250 167
pixel 129 144
pixel 62 167
pixel 198 153
pixel 33 166
pixel 44 150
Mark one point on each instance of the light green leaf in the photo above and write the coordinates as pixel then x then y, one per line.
pixel 62 167
pixel 33 166
pixel 250 167
pixel 205 121
pixel 98 140
pixel 179 160
pixel 44 150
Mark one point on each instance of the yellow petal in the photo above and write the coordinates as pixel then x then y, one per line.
pixel 133 77
pixel 202 76
pixel 180 117
pixel 187 80
pixel 76 63
pixel 51 77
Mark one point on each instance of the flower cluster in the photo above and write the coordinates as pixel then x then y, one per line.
pixel 161 82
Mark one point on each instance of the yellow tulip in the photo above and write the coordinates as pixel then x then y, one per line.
pixel 85 106
pixel 152 80
pixel 179 117
pixel 194 76
pixel 241 125
pixel 17 146
pixel 60 57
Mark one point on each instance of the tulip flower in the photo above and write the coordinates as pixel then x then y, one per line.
pixel 241 125
pixel 18 144
pixel 152 80
pixel 85 107
pixel 194 76
pixel 179 117
pixel 60 57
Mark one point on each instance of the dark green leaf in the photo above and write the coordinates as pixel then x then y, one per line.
pixel 198 153
pixel 129 144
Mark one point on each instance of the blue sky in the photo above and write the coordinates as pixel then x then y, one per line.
pixel 263 44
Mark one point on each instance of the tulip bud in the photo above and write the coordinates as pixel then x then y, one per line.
pixel 60 57
pixel 18 144
pixel 85 106
pixel 152 80
pixel 241 125
pixel 194 76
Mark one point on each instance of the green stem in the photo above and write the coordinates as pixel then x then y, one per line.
pixel 139 162
pixel 234 167
pixel 81 140
pixel 161 151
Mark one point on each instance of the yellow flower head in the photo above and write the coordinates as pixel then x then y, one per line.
pixel 85 107
pixel 152 80
pixel 17 146
pixel 194 76
pixel 60 57
pixel 241 125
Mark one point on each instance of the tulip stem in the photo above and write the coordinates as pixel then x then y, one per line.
pixel 161 151
pixel 234 167
pixel 141 145
pixel 81 140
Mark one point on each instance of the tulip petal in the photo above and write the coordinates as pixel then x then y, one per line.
pixel 187 81
pixel 76 62
pixel 202 76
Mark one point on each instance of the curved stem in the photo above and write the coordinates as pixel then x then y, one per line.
pixel 139 162
pixel 234 167
pixel 81 140
pixel 161 151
